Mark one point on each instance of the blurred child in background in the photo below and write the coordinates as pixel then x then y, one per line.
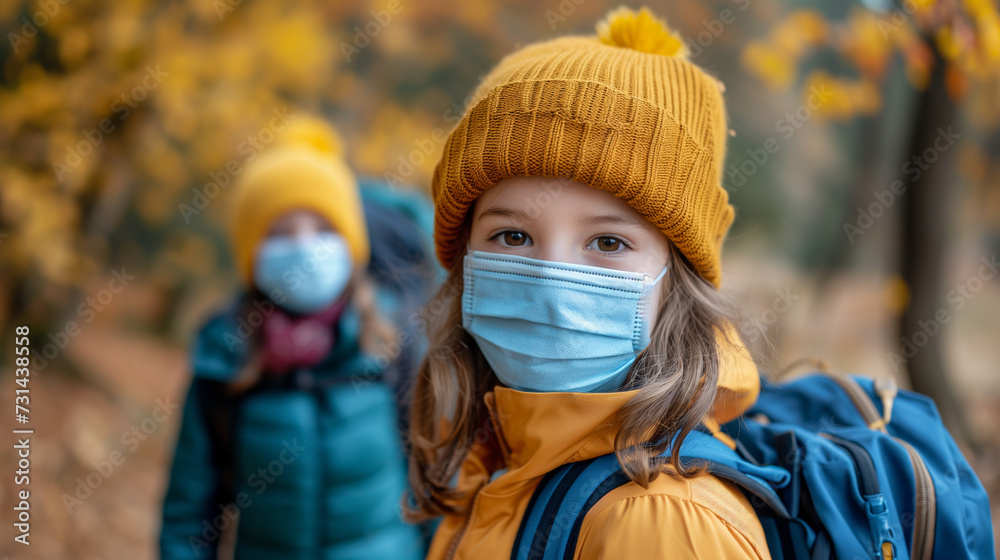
pixel 580 212
pixel 290 430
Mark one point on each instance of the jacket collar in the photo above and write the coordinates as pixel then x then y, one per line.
pixel 220 350
pixel 537 432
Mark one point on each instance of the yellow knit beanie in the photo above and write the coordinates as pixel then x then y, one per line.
pixel 303 169
pixel 624 112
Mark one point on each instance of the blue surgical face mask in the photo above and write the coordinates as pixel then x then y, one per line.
pixel 548 326
pixel 304 274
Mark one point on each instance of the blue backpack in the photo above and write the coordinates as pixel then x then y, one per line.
pixel 835 467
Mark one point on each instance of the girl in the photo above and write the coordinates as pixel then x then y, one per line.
pixel 580 211
pixel 289 431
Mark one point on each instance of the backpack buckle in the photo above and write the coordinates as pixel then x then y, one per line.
pixel 878 521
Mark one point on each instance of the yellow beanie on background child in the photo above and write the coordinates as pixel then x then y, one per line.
pixel 303 169
pixel 624 112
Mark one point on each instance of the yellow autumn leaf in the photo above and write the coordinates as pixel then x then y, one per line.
pixel 773 67
pixel 896 295
pixel 948 45
pixel 988 28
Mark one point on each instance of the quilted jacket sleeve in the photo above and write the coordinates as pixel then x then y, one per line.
pixel 191 491
pixel 191 504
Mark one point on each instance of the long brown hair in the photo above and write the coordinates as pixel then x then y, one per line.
pixel 676 376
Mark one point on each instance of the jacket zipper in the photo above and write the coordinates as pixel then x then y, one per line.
pixel 925 508
pixel 322 406
pixel 453 548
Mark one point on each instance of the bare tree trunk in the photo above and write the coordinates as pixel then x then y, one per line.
pixel 923 243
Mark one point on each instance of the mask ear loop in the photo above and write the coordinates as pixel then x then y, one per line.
pixel 645 312
pixel 662 273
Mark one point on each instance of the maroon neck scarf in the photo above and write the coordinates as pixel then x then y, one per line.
pixel 292 342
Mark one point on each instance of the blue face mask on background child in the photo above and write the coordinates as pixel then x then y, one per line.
pixel 548 326
pixel 309 272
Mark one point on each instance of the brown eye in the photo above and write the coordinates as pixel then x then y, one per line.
pixel 514 238
pixel 608 244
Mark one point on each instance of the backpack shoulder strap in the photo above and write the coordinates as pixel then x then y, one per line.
pixel 560 498
pixel 551 524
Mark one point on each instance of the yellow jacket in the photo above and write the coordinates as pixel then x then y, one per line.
pixel 702 517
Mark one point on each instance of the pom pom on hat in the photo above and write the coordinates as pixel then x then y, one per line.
pixel 311 133
pixel 640 31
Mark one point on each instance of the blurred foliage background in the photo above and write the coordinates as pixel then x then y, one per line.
pixel 864 164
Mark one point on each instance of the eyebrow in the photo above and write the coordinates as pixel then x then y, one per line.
pixel 505 212
pixel 621 219
pixel 611 219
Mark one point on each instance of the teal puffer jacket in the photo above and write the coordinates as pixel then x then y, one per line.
pixel 312 463
pixel 318 471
